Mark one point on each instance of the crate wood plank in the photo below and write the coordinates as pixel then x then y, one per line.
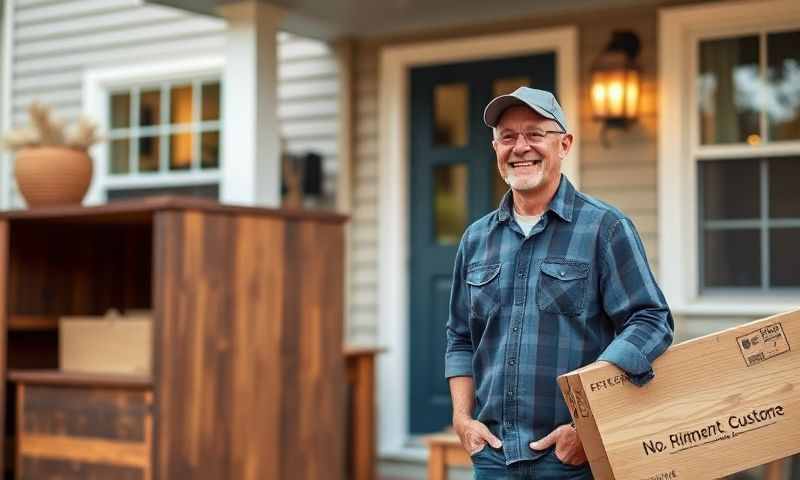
pixel 85 450
pixel 141 211
pixel 86 412
pixel 719 404
pixel 251 330
pixel 4 250
pixel 38 468
pixel 79 379
pixel 33 322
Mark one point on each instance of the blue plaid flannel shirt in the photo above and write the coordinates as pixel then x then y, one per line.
pixel 526 310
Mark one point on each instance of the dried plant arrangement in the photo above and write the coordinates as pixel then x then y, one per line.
pixel 45 131
pixel 52 165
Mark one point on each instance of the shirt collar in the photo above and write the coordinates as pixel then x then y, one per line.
pixel 561 204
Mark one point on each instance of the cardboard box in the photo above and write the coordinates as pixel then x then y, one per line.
pixel 112 344
pixel 718 404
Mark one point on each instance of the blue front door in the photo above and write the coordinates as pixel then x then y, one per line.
pixel 454 181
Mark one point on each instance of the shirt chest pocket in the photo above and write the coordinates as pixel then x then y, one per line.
pixel 484 290
pixel 562 287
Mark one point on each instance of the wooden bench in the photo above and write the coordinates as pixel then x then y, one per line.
pixel 360 368
pixel 445 451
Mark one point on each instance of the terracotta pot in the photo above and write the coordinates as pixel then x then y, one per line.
pixel 49 176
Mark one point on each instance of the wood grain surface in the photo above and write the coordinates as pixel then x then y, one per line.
pixel 248 379
pixel 87 431
pixel 249 364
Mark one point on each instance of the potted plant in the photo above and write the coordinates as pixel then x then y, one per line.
pixel 52 164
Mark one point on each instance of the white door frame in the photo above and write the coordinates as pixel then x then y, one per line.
pixel 393 209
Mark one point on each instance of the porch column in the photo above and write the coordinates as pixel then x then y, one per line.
pixel 251 170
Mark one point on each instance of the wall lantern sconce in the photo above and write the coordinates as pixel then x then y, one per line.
pixel 615 81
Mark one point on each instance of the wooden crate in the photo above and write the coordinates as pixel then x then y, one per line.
pixel 88 427
pixel 718 405
pixel 248 370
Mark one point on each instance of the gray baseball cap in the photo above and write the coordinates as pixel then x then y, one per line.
pixel 543 102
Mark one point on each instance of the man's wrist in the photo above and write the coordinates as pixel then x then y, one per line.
pixel 461 417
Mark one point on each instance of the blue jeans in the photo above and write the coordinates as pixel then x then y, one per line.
pixel 489 464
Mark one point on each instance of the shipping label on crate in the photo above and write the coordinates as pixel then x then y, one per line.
pixel 762 344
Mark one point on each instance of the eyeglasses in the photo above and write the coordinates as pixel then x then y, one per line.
pixel 530 136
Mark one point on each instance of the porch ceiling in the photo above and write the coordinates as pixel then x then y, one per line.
pixel 326 19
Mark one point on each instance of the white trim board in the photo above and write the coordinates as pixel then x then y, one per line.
pixel 393 211
pixel 96 85
pixel 679 30
pixel 6 57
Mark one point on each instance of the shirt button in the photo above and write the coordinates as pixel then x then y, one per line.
pixel 511 362
pixel 516 329
pixel 521 274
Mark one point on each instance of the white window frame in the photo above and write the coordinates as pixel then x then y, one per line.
pixel 680 30
pixel 98 85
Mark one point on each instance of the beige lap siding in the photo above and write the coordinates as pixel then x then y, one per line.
pixel 363 281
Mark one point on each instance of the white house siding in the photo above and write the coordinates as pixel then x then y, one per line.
pixel 57 41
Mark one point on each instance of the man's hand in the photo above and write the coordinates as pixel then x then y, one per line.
pixel 474 435
pixel 569 449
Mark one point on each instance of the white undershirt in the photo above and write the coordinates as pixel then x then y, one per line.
pixel 526 222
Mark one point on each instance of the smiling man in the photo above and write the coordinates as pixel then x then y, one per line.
pixel 550 281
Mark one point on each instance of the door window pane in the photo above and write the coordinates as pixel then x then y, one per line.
pixel 149 108
pixel 120 156
pixel 503 86
pixel 450 203
pixel 120 110
pixel 210 94
pixel 728 90
pixel 784 257
pixel 732 258
pixel 181 104
pixel 784 187
pixel 783 86
pixel 729 189
pixel 451 119
pixel 180 151
pixel 149 153
pixel 209 146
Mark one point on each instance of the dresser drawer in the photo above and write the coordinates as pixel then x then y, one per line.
pixel 83 432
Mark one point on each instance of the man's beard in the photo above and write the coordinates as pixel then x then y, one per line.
pixel 524 182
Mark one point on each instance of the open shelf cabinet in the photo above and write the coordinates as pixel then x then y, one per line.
pixel 248 370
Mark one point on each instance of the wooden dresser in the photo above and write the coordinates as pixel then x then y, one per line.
pixel 248 379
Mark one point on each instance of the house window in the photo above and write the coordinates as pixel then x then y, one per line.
pixel 747 158
pixel 163 135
